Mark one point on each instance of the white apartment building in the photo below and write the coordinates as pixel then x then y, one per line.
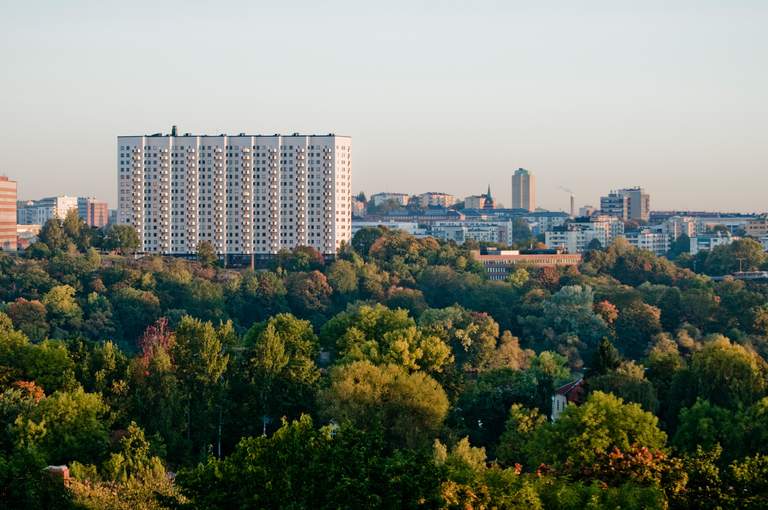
pixel 647 239
pixel 480 231
pixel 244 194
pixel 381 198
pixel 676 226
pixel 37 212
pixel 575 237
pixel 708 242
pixel 436 199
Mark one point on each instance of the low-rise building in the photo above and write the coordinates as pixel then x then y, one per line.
pixel 707 242
pixel 757 227
pixel 382 198
pixel 500 263
pixel 436 199
pixel 26 235
pixel 577 235
pixel 474 202
pixel 480 231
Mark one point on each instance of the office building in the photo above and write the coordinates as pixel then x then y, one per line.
pixel 37 212
pixel 8 193
pixel 244 194
pixel 523 190
pixel 627 204
pixel 94 212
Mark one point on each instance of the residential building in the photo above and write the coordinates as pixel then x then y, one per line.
pixel 37 212
pixel 576 236
pixel 26 235
pixel 8 194
pixel 588 210
pixel 94 212
pixel 542 221
pixel 707 242
pixel 757 227
pixel 647 239
pixel 480 231
pixel 572 393
pixel 244 194
pixel 676 226
pixel 627 204
pixel 474 202
pixel 523 190
pixel 435 199
pixel 381 198
pixel 500 263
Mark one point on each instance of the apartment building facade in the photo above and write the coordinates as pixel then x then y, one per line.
pixel 37 212
pixel 245 194
pixel 94 212
pixel 401 199
pixel 436 199
pixel 627 204
pixel 576 236
pixel 8 193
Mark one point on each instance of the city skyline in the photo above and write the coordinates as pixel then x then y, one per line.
pixel 592 98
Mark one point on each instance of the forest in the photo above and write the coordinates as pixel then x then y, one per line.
pixel 396 375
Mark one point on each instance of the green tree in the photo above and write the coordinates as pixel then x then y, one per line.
pixel 200 361
pixel 584 432
pixel 410 406
pixel 206 254
pixel 29 317
pixel 53 236
pixel 65 315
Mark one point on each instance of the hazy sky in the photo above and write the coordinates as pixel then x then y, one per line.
pixel 438 96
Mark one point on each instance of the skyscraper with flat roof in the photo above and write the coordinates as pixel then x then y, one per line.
pixel 244 194
pixel 523 190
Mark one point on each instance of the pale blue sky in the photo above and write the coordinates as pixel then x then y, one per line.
pixel 443 96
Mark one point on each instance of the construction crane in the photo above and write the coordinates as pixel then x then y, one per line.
pixel 573 200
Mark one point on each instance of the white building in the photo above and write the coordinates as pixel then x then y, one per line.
pixel 244 194
pixel 37 212
pixel 676 226
pixel 474 202
pixel 646 239
pixel 436 199
pixel 707 242
pixel 576 236
pixel 381 198
pixel 480 231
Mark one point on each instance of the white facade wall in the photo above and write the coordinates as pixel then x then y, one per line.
pixel 243 194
